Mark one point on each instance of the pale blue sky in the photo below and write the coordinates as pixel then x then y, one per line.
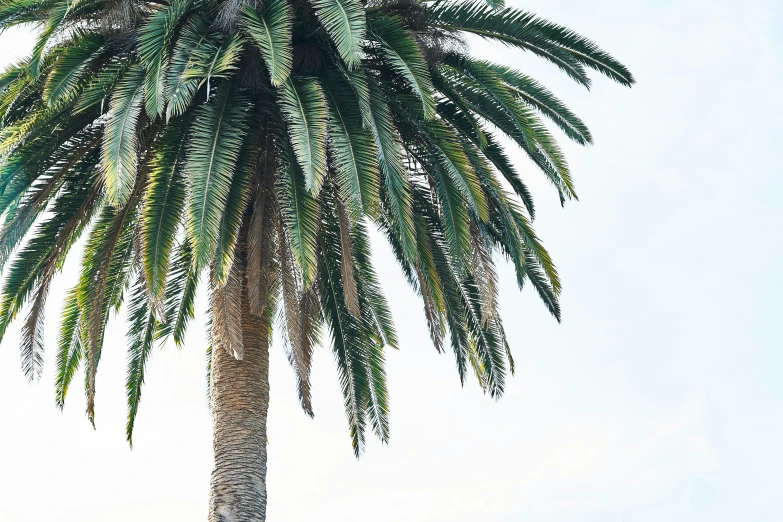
pixel 658 398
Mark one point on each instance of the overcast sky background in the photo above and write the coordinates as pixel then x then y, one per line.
pixel 659 397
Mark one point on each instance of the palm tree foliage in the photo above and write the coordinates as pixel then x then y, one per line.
pixel 164 130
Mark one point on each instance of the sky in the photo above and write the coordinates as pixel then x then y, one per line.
pixel 659 396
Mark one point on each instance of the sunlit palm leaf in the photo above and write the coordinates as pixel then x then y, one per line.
pixel 162 208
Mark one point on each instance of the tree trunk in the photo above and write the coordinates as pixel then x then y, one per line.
pixel 239 394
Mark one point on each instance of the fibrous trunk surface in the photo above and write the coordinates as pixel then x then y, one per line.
pixel 239 395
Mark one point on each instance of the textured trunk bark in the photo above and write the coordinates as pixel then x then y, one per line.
pixel 240 400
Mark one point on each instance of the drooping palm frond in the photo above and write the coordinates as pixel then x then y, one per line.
pixel 161 212
pixel 63 80
pixel 271 32
pixel 345 23
pixel 353 150
pixel 300 214
pixel 215 142
pixel 141 338
pixel 155 39
pixel 303 104
pixel 119 155
pixel 405 58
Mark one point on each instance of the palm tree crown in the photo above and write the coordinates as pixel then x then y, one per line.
pixel 249 145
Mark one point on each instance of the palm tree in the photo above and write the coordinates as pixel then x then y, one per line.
pixel 247 146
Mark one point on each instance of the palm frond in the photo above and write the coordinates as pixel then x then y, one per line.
pixel 50 26
pixel 300 213
pixel 105 269
pixel 271 32
pixel 181 90
pixel 234 211
pixel 395 181
pixel 538 96
pixel 213 58
pixel 140 343
pixel 181 285
pixel 304 106
pixel 353 151
pixel 155 38
pixel 120 150
pixel 226 307
pixel 69 69
pixel 262 228
pixel 216 138
pixel 161 212
pixel 563 47
pixel 405 58
pixel 69 346
pixel 344 22
pixel 348 348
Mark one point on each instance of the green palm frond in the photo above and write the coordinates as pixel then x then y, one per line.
pixel 405 58
pixel 105 269
pixel 299 209
pixel 370 288
pixel 181 285
pixel 353 151
pixel 271 32
pixel 303 104
pixel 140 343
pixel 451 158
pixel 216 138
pixel 395 181
pixel 212 58
pixel 345 23
pixel 100 86
pixel 234 211
pixel 51 25
pixel 69 69
pixel 538 96
pixel 69 347
pixel 119 154
pixel 40 256
pixel 453 207
pixel 490 98
pixel 155 39
pixel 180 90
pixel 568 50
pixel 161 212
pixel 356 344
pixel 69 217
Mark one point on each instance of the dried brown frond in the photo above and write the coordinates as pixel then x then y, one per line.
pixel 226 307
pixel 430 311
pixel 260 235
pixel 484 274
pixel 290 286
pixel 96 319
pixel 32 340
pixel 350 291
pixel 309 330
